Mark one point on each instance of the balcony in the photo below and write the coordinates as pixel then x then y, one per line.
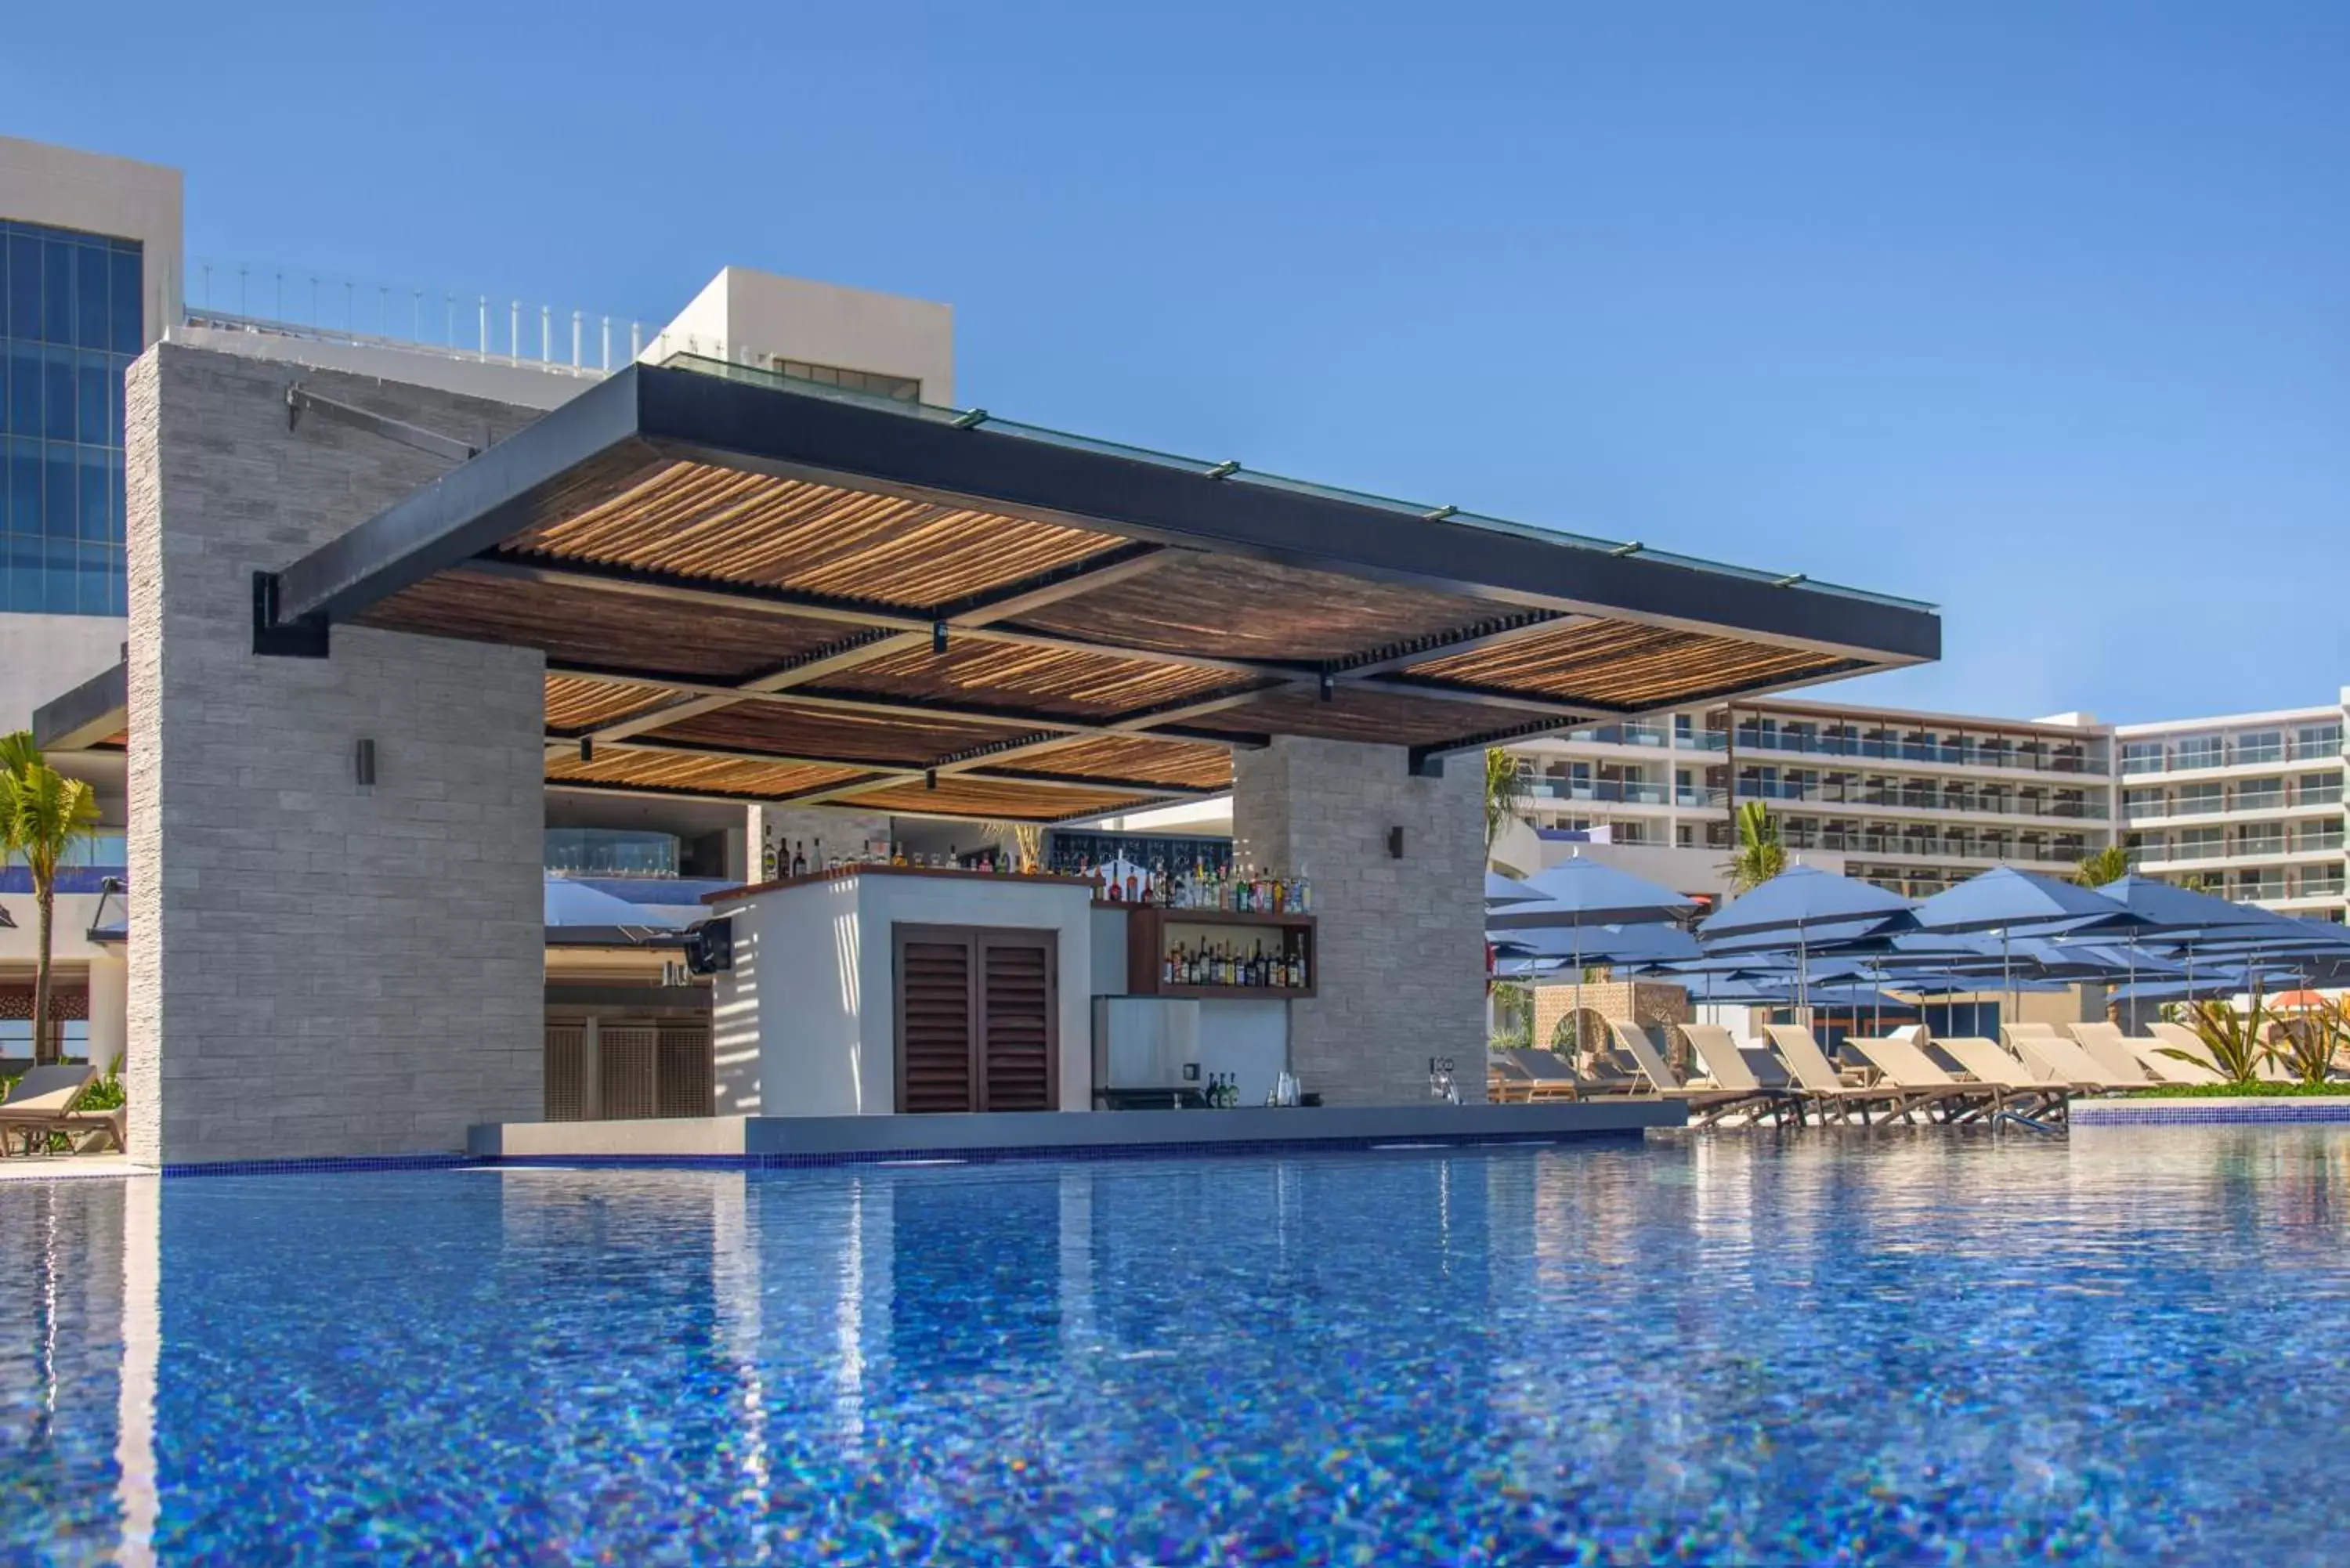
pixel 2232 755
pixel 1601 791
pixel 1618 735
pixel 1832 793
pixel 2027 759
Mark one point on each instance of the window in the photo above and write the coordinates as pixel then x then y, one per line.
pixel 2317 739
pixel 2196 752
pixel 16 1040
pixel 902 388
pixel 70 321
pixel 2260 746
pixel 2141 756
pixel 2199 798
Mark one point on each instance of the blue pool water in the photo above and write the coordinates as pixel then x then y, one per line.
pixel 2126 1347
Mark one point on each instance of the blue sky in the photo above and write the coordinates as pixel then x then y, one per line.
pixel 2038 311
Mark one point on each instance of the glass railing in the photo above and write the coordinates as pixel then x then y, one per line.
pixel 2185 852
pixel 2181 759
pixel 1905 800
pixel 2258 890
pixel 1610 790
pixel 2267 800
pixel 1689 796
pixel 2326 796
pixel 2319 887
pixel 2025 760
pixel 2316 842
pixel 610 852
pixel 1618 735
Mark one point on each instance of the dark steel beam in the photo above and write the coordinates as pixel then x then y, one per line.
pixel 682 415
pixel 93 711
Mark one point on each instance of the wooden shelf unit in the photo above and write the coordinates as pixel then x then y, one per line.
pixel 1148 938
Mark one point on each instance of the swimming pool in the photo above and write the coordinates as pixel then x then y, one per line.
pixel 2124 1347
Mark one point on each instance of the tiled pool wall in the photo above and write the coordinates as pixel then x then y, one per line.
pixel 2211 1112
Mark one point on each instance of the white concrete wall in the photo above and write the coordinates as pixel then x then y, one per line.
pixel 748 315
pixel 806 1024
pixel 46 656
pixel 96 195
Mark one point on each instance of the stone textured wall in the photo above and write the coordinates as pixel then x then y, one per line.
pixel 843 831
pixel 315 970
pixel 1401 942
pixel 1649 1004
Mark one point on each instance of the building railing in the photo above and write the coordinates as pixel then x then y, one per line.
pixel 1619 735
pixel 1830 794
pixel 2319 887
pixel 1897 844
pixel 1596 790
pixel 2154 852
pixel 2232 755
pixel 2023 757
pixel 2265 800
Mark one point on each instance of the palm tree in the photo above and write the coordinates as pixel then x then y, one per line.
pixel 1505 792
pixel 43 815
pixel 1760 855
pixel 2110 864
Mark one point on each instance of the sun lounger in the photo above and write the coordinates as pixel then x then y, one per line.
pixel 2200 1068
pixel 1907 1067
pixel 1988 1063
pixel 2057 1059
pixel 1712 1104
pixel 43 1103
pixel 1728 1068
pixel 2111 1051
pixel 1810 1066
pixel 1547 1075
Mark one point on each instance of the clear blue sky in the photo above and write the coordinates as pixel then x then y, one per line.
pixel 2039 311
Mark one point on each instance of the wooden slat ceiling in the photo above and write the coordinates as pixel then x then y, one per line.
pixel 791 730
pixel 957 796
pixel 1069 683
pixel 580 626
pixel 700 521
pixel 1223 607
pixel 835 591
pixel 1617 664
pixel 692 774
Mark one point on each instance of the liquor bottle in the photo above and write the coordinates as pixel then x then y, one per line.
pixel 815 861
pixel 1304 892
pixel 1167 968
pixel 799 859
pixel 1257 975
pixel 767 858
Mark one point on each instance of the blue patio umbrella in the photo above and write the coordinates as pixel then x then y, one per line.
pixel 1582 893
pixel 1799 900
pixel 1601 944
pixel 1500 889
pixel 2004 898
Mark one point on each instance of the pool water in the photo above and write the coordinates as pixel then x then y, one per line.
pixel 2126 1347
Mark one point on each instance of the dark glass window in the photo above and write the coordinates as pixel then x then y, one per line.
pixel 70 321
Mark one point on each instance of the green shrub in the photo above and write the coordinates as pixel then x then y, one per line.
pixel 2256 1090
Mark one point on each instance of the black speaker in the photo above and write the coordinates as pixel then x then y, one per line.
pixel 709 947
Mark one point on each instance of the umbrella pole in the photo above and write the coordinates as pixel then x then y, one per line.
pixel 1579 987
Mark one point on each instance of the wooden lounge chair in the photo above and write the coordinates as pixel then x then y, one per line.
pixel 1990 1064
pixel 1709 1103
pixel 1810 1066
pixel 1727 1067
pixel 43 1103
pixel 2107 1047
pixel 1906 1066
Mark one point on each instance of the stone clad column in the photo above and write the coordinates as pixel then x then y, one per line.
pixel 318 967
pixel 1400 940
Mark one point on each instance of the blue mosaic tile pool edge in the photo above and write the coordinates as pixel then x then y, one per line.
pixel 2213 1111
pixel 790 1160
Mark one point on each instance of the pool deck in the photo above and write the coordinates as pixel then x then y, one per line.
pixel 825 1140
pixel 2215 1111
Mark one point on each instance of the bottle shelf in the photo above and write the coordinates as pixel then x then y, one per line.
pixel 1152 931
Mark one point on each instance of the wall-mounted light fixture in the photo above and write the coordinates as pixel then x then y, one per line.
pixel 1395 843
pixel 363 764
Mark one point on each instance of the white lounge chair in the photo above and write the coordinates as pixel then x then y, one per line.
pixel 1810 1066
pixel 44 1101
pixel 1988 1063
pixel 1727 1067
pixel 2110 1049
pixel 2055 1058
pixel 1715 1104
pixel 1907 1067
pixel 2201 1066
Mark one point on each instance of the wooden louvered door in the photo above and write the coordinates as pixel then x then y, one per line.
pixel 977 1009
pixel 1017 1003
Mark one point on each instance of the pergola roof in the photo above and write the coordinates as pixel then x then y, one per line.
pixel 749 587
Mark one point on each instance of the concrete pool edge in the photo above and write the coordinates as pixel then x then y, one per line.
pixel 756 1141
pixel 2214 1111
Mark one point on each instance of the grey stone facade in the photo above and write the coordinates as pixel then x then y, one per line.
pixel 1401 942
pixel 315 969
